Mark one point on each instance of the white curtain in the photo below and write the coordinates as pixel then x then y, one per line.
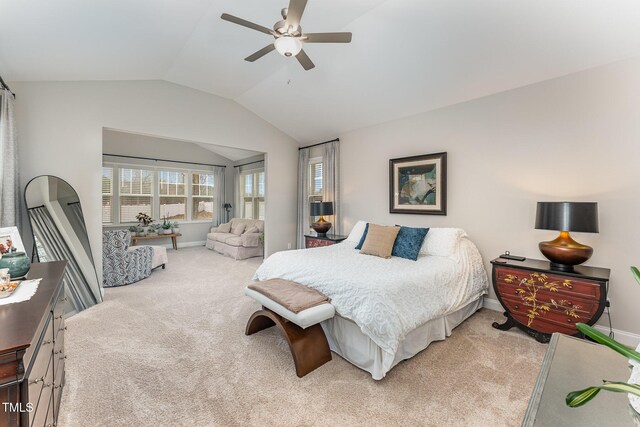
pixel 331 182
pixel 237 180
pixel 9 179
pixel 303 196
pixel 218 196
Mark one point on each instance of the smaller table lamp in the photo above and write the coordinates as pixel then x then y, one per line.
pixel 320 209
pixel 564 252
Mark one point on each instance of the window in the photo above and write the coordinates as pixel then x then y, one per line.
pixel 177 194
pixel 107 195
pixel 315 183
pixel 136 193
pixel 173 195
pixel 202 196
pixel 315 178
pixel 252 183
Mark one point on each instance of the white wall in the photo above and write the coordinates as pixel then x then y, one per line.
pixel 60 133
pixel 573 138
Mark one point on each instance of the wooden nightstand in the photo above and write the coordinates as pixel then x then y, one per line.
pixel 317 241
pixel 541 301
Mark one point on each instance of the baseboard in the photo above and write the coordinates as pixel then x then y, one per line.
pixel 191 244
pixel 624 337
pixel 492 304
pixel 183 244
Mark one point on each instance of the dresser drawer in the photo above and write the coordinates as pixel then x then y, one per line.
pixel 58 313
pixel 571 286
pixel 316 243
pixel 548 322
pixel 41 399
pixel 58 384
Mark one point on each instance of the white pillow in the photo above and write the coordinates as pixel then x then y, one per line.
pixel 442 241
pixel 356 232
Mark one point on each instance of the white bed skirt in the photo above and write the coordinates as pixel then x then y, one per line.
pixel 346 339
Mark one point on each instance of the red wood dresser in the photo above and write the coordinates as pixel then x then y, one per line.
pixel 328 240
pixel 541 301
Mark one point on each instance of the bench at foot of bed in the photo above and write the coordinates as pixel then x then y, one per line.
pixel 307 342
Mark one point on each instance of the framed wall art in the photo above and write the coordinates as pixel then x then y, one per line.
pixel 418 184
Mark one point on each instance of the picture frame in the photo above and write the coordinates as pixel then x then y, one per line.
pixel 10 240
pixel 418 184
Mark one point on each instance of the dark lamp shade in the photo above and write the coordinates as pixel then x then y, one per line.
pixel 321 208
pixel 567 216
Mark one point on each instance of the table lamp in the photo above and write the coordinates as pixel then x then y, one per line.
pixel 320 209
pixel 563 251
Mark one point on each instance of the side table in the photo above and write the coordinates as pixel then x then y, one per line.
pixel 311 241
pixel 540 300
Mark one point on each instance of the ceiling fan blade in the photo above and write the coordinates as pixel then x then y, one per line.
pixel 294 12
pixel 327 38
pixel 259 54
pixel 246 23
pixel 304 60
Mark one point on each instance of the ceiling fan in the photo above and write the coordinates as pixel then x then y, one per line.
pixel 288 34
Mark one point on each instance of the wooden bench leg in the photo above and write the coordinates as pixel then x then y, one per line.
pixel 309 347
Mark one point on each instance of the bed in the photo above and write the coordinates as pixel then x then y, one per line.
pixel 388 310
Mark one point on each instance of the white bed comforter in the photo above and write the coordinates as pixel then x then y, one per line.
pixel 386 298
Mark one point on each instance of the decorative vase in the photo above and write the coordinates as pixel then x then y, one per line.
pixel 145 230
pixel 166 231
pixel 175 230
pixel 17 263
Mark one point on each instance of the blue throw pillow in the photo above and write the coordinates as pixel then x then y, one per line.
pixel 409 242
pixel 363 238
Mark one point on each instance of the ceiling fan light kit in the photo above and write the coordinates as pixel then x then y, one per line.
pixel 288 35
pixel 288 46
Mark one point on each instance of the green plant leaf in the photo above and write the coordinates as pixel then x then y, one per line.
pixel 605 340
pixel 636 274
pixel 580 397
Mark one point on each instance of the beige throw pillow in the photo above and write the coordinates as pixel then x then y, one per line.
pixel 380 240
pixel 238 229
pixel 224 228
pixel 253 229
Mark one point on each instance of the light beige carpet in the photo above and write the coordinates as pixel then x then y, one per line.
pixel 171 351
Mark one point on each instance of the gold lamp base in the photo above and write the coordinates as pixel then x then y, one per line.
pixel 321 227
pixel 564 252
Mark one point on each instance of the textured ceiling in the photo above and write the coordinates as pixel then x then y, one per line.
pixel 407 56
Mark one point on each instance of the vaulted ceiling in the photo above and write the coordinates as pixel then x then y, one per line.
pixel 407 56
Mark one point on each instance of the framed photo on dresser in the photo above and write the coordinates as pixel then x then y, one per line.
pixel 10 240
pixel 418 184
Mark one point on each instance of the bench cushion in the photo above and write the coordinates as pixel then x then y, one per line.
pixel 304 319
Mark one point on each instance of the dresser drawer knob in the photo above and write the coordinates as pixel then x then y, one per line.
pixel 58 317
pixel 63 329
pixel 63 357
pixel 37 380
pixel 47 385
pixel 46 342
pixel 58 352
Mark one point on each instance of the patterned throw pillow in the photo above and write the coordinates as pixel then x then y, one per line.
pixel 238 229
pixel 224 228
pixel 253 229
pixel 409 242
pixel 363 238
pixel 379 241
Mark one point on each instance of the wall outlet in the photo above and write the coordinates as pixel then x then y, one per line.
pixel 289 245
